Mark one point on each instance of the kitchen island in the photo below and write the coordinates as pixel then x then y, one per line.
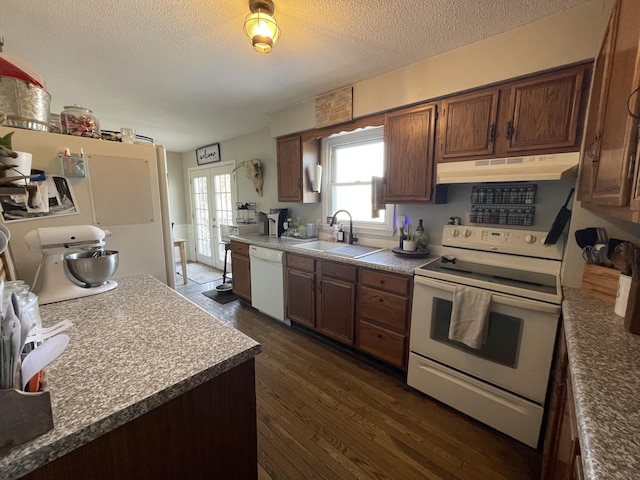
pixel 150 386
pixel 604 360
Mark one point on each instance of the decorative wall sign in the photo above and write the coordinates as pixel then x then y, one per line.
pixel 334 107
pixel 208 154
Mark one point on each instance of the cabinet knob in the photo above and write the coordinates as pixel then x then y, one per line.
pixel 381 300
pixel 381 282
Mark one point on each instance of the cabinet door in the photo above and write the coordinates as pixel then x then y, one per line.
pixel 543 112
pixel 467 126
pixel 409 140
pixel 617 130
pixel 301 297
pixel 289 169
pixel 336 316
pixel 297 158
pixel 241 270
pixel 601 72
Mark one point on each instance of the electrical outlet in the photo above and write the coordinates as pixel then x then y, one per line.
pixel 400 219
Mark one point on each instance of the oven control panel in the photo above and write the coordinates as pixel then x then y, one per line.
pixel 517 242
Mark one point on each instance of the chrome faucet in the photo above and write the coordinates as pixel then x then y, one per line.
pixel 352 238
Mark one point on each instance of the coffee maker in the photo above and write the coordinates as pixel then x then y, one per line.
pixel 277 218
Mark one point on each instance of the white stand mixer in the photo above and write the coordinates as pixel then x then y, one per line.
pixel 53 281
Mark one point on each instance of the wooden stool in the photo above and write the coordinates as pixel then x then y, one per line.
pixel 180 243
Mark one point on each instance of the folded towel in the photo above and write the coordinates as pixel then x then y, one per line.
pixel 470 316
pixel 376 197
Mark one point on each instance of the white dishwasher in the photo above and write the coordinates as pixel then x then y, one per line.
pixel 267 282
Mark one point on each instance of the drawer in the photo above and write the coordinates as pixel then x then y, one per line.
pixel 300 262
pixel 344 272
pixel 240 248
pixel 385 308
pixel 386 281
pixel 383 344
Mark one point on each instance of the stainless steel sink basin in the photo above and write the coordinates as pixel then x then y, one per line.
pixel 343 250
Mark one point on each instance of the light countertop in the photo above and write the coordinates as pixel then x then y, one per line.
pixel 605 373
pixel 131 349
pixel 384 260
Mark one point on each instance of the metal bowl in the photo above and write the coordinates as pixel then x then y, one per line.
pixel 92 269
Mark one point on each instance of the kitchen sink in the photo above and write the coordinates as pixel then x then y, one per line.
pixel 343 250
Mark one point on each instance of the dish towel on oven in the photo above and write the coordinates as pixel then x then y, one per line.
pixel 470 316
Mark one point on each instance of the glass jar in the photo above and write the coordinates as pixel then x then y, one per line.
pixel 79 121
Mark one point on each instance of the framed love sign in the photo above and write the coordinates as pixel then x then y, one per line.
pixel 208 154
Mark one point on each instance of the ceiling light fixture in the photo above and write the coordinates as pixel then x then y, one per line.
pixel 261 27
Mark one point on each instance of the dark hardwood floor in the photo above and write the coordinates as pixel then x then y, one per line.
pixel 326 413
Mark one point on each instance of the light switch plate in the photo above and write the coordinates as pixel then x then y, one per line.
pixel 400 219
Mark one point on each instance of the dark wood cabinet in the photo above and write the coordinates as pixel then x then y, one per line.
pixel 409 155
pixel 609 176
pixel 301 290
pixel 321 294
pixel 337 301
pixel 363 308
pixel 241 269
pixel 562 459
pixel 540 114
pixel 543 113
pixel 384 306
pixel 467 125
pixel 296 160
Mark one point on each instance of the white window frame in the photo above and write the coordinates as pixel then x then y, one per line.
pixel 363 135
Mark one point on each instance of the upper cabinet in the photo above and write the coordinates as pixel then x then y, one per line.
pixel 543 112
pixel 467 125
pixel 296 161
pixel 539 114
pixel 609 176
pixel 409 164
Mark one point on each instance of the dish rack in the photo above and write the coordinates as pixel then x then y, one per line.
pixel 503 204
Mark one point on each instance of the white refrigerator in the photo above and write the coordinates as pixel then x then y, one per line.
pixel 124 191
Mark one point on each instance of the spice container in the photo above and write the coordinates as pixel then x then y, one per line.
pixel 79 121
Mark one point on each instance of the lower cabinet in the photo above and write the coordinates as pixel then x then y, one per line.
pixel 360 307
pixel 337 301
pixel 562 459
pixel 241 269
pixel 301 289
pixel 384 306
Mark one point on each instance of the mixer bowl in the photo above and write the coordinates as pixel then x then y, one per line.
pixel 92 269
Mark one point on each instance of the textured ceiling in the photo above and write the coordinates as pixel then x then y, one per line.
pixel 184 73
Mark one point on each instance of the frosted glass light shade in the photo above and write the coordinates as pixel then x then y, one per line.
pixel 262 30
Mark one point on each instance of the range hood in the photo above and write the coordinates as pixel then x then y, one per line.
pixel 555 166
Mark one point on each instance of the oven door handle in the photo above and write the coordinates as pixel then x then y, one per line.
pixel 497 299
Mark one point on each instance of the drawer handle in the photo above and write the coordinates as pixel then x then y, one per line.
pixel 381 282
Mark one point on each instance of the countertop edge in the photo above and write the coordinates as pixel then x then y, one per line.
pixel 604 361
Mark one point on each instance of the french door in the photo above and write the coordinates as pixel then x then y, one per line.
pixel 212 205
